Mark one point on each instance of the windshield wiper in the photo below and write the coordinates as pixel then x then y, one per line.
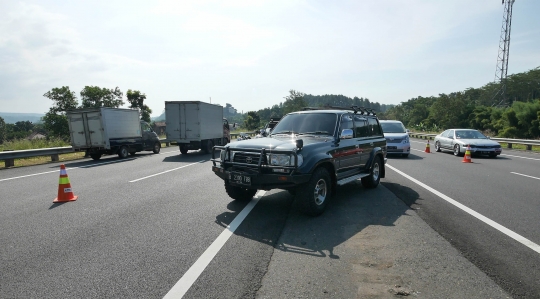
pixel 315 133
pixel 284 132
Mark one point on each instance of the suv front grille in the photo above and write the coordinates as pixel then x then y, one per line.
pixel 248 158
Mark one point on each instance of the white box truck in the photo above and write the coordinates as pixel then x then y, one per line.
pixel 106 130
pixel 195 125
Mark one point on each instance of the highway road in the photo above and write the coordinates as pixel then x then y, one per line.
pixel 155 226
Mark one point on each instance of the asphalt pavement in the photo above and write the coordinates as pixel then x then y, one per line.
pixel 368 245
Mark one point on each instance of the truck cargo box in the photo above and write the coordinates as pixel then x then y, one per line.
pixel 188 121
pixel 101 127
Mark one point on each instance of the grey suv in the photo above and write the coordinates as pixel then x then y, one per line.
pixel 309 153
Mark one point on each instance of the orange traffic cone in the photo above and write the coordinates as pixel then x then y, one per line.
pixel 64 187
pixel 427 148
pixel 467 157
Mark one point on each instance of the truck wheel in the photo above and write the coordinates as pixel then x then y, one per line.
pixel 95 156
pixel 315 194
pixel 183 149
pixel 157 148
pixel 239 193
pixel 209 144
pixel 123 152
pixel 374 177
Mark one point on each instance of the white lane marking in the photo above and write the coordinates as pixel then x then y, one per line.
pixel 525 175
pixel 520 157
pixel 189 278
pixel 475 214
pixel 86 166
pixel 153 175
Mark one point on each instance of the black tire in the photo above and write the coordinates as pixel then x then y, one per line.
pixel 183 149
pixel 292 191
pixel 156 148
pixel 437 146
pixel 374 177
pixel 95 156
pixel 315 194
pixel 239 193
pixel 123 152
pixel 207 146
pixel 457 152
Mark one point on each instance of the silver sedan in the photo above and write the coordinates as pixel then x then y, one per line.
pixel 457 140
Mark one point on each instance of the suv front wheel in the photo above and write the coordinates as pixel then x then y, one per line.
pixel 314 195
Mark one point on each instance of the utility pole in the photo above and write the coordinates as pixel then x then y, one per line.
pixel 504 51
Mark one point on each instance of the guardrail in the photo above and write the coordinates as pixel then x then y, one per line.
pixel 10 156
pixel 527 142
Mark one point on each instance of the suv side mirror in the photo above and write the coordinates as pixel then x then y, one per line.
pixel 346 134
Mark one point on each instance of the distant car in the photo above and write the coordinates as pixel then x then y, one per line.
pixel 397 137
pixel 457 140
pixel 243 136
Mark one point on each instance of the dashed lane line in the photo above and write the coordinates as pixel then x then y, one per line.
pixel 86 166
pixel 160 173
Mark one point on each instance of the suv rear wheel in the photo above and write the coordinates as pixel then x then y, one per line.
pixel 374 177
pixel 239 193
pixel 315 194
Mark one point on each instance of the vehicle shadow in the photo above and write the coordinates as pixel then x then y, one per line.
pixel 192 156
pixel 278 221
pixel 399 157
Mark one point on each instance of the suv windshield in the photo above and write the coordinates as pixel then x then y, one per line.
pixel 388 127
pixel 307 123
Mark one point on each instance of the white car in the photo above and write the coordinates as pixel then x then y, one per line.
pixel 457 141
pixel 397 137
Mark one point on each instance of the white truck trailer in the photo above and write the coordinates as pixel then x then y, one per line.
pixel 106 130
pixel 196 125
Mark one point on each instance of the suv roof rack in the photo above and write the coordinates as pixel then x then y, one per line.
pixel 356 109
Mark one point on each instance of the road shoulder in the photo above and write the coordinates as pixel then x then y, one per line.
pixel 369 244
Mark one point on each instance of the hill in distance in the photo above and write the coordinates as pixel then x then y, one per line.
pixel 11 118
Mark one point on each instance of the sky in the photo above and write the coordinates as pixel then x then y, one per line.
pixel 250 53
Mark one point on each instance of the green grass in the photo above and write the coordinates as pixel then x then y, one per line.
pixel 39 143
pixel 25 144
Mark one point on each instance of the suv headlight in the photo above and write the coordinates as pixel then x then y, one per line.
pixel 224 155
pixel 405 140
pixel 283 160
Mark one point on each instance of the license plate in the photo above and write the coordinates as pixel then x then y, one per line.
pixel 240 179
pixel 392 147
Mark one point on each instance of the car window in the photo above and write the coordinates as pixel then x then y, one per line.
pixel 347 123
pixel 451 134
pixel 373 127
pixel 392 127
pixel 307 123
pixel 361 126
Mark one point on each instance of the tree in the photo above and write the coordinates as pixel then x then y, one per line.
pixel 55 121
pixel 95 97
pixel 136 100
pixel 2 130
pixel 63 99
pixel 294 102
pixel 252 120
